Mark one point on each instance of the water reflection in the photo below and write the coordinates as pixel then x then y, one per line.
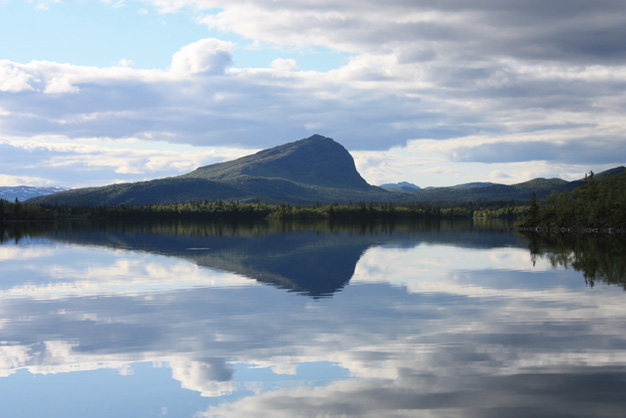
pixel 315 259
pixel 437 320
pixel 600 257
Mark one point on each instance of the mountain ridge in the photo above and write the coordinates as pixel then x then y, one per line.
pixel 308 171
pixel 482 192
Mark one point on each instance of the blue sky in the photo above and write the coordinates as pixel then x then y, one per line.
pixel 94 33
pixel 105 33
pixel 435 93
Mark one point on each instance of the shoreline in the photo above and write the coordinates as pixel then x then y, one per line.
pixel 576 230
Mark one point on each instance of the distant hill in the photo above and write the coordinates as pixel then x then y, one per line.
pixel 485 192
pixel 403 186
pixel 471 185
pixel 314 169
pixel 23 193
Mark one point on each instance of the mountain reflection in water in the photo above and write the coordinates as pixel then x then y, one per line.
pixel 192 319
pixel 315 259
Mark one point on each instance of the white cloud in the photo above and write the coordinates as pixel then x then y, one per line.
pixel 207 56
pixel 209 378
pixel 60 85
pixel 12 357
pixel 125 62
pixel 13 79
pixel 10 180
pixel 50 161
pixel 20 253
pixel 43 5
pixel 124 273
pixel 482 84
pixel 284 65
pixel 439 266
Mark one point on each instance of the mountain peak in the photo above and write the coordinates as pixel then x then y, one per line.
pixel 316 160
pixel 317 137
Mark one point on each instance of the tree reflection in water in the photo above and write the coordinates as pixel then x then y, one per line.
pixel 599 257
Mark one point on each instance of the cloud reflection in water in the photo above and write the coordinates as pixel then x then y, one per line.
pixel 426 327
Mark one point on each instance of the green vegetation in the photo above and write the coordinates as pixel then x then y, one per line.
pixel 18 211
pixel 479 192
pixel 598 203
pixel 219 210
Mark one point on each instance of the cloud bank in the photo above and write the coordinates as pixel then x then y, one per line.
pixel 504 82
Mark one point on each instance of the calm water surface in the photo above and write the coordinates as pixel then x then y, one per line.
pixel 290 320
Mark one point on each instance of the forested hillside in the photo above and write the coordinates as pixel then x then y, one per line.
pixel 597 203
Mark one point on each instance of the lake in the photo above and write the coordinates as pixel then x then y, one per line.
pixel 448 319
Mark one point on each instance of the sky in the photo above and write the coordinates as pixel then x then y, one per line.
pixel 437 93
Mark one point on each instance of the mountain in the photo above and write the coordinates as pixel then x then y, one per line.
pixel 22 193
pixel 471 185
pixel 494 192
pixel 485 192
pixel 314 161
pixel 403 187
pixel 314 169
pixel 308 171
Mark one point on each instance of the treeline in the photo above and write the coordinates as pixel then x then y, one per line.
pixel 10 211
pixel 219 210
pixel 598 203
